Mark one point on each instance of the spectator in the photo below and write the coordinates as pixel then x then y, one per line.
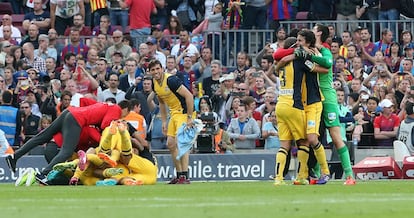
pixel 270 133
pixel 163 45
pixel 79 23
pixel 384 43
pixel 61 15
pixel 203 66
pixel 92 57
pixel 250 103
pixel 44 51
pixel 406 40
pixel 38 17
pixel 103 27
pixel 118 15
pixel 386 125
pixel 69 61
pixel 153 51
pixel 8 21
pixel 345 10
pixel 379 74
pixel 341 71
pixel 184 45
pixel 405 130
pixel 358 69
pixel 254 15
pixel 130 78
pixel 365 118
pixel 242 130
pixel 186 75
pixel 139 17
pixel 30 122
pixel 7 36
pixel 346 41
pixel 335 50
pixel 215 21
pixel 51 68
pixel 117 46
pixel 366 47
pixel 32 36
pixel 31 60
pixel 84 80
pixel 112 91
pixel 99 8
pixel 171 66
pixel 279 10
pixel 241 66
pixel 394 59
pixel 10 119
pixel 389 11
pixel 173 28
pixel 75 45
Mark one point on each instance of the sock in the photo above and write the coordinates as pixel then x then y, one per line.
pixel 317 170
pixel 94 159
pixel 343 154
pixel 105 143
pixel 178 174
pixel 126 145
pixel 321 157
pixel 185 174
pixel 280 163
pixel 303 155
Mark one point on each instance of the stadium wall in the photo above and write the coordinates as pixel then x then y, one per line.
pixel 202 167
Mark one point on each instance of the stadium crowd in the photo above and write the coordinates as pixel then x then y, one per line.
pixel 61 53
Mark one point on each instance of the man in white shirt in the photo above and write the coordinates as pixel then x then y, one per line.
pixel 7 21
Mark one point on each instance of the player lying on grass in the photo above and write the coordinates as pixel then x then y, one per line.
pixel 115 150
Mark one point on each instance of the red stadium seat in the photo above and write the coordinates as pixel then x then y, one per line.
pixel 18 19
pixel 6 8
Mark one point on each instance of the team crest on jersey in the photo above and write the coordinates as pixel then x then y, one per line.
pixel 311 123
pixel 331 116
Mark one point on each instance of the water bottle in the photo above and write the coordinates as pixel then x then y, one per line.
pixel 355 140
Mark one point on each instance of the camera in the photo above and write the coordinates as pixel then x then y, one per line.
pixel 256 74
pixel 380 68
pixel 209 121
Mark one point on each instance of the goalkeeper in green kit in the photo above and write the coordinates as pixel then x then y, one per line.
pixel 330 113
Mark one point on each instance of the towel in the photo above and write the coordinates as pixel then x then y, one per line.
pixel 186 137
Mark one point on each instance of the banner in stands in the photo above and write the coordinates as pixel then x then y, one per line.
pixel 202 167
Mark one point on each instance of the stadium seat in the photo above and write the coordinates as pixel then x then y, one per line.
pixel 17 19
pixel 6 8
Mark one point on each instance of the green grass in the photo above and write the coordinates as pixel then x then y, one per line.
pixel 377 199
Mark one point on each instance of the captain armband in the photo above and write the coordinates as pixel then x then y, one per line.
pixel 310 65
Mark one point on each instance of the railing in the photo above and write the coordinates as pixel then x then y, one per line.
pixel 375 26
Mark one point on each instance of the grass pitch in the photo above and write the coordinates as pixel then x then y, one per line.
pixel 211 199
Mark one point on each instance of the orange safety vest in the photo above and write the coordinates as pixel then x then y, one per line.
pixel 217 140
pixel 137 121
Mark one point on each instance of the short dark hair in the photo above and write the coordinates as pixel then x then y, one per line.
pixel 325 31
pixel 7 97
pixel 409 107
pixel 309 37
pixel 154 63
pixel 133 102
pixel 124 104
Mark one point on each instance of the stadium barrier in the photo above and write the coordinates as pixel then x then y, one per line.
pixel 202 167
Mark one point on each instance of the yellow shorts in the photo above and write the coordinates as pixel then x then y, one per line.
pixel 313 117
pixel 175 123
pixel 291 122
